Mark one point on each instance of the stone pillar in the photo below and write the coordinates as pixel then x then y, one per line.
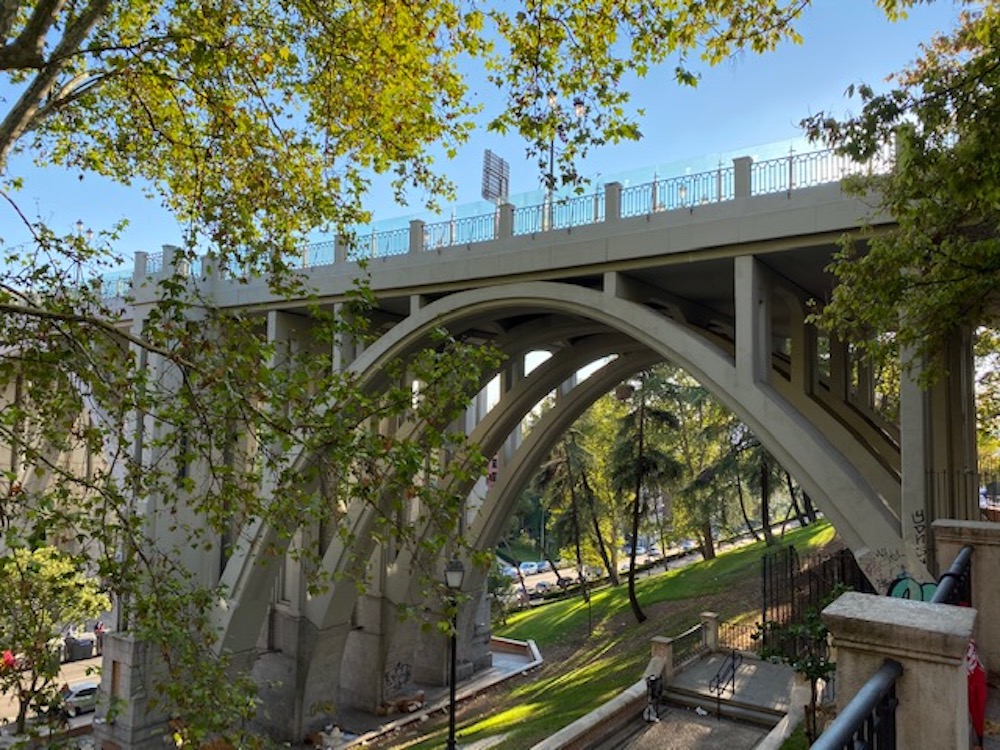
pixel 663 648
pixel 741 176
pixel 612 201
pixel 129 669
pixel 505 221
pixel 139 269
pixel 710 630
pixel 928 640
pixel 416 236
pixel 984 537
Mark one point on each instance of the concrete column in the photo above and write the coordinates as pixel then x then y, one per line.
pixel 984 537
pixel 340 248
pixel 840 369
pixel 505 221
pixel 663 649
pixel 914 440
pixel 929 641
pixel 741 176
pixel 171 260
pixel 139 268
pixel 612 201
pixel 803 344
pixel 345 347
pixel 710 630
pixel 938 447
pixel 753 321
pixel 129 669
pixel 416 236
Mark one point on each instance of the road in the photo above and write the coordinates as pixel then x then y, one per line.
pixel 85 670
pixel 676 558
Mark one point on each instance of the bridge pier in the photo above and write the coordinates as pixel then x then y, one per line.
pixel 939 477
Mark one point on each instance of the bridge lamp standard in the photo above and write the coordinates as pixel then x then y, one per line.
pixel 454 573
pixel 579 109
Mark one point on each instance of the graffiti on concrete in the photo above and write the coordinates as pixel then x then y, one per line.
pixel 918 521
pixel 883 565
pixel 906 587
pixel 397 677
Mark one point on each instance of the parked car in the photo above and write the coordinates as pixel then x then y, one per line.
pixel 509 571
pixel 544 566
pixel 528 568
pixel 79 698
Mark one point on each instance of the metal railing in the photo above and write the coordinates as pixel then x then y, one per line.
pixel 689 644
pixel 868 722
pixel 787 173
pixel 739 636
pixel 725 678
pixel 954 585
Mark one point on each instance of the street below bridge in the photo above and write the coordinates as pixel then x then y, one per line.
pixel 646 564
pixel 71 673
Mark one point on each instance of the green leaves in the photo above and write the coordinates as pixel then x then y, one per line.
pixel 936 271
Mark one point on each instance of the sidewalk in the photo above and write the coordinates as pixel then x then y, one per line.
pixel 510 658
pixel 760 686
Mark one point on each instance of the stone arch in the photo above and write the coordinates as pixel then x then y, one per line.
pixel 847 496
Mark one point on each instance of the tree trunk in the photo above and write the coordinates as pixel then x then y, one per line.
pixel 581 577
pixel 602 547
pixel 743 510
pixel 793 495
pixel 640 616
pixel 808 507
pixel 707 541
pixel 765 504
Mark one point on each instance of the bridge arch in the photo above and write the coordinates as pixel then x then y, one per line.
pixel 608 324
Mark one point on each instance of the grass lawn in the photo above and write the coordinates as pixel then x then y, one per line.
pixel 593 653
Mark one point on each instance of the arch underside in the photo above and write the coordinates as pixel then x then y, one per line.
pixel 578 325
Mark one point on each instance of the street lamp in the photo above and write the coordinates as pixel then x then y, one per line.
pixel 454 572
pixel 579 109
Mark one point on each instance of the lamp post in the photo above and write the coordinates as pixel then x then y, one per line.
pixel 580 109
pixel 454 572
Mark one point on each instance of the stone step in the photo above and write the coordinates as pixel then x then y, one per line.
pixel 732 708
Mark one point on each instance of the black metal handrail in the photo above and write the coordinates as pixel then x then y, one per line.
pixel 953 586
pixel 868 722
pixel 725 678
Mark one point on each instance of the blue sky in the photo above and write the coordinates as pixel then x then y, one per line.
pixel 738 107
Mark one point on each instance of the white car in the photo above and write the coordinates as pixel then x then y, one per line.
pixel 528 568
pixel 78 699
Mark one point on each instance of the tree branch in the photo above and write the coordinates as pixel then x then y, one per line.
pixel 25 112
pixel 26 50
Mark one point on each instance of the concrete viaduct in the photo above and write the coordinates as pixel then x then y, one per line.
pixel 713 272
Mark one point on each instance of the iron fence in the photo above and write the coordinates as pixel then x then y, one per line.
pixel 739 636
pixel 574 212
pixel 319 254
pixel 529 219
pixel 689 644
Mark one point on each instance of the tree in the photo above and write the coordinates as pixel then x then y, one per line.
pixel 193 412
pixel 639 466
pixel 700 444
pixel 913 285
pixel 44 590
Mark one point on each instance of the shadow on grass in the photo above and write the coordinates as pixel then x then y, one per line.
pixel 593 668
